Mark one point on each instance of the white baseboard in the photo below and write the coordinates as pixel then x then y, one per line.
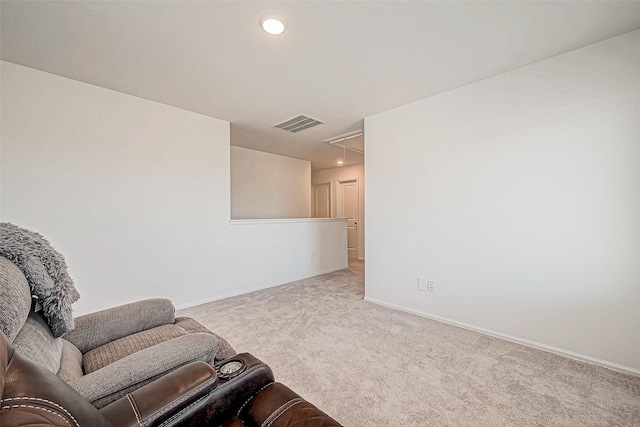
pixel 248 291
pixel 555 350
pixel 221 297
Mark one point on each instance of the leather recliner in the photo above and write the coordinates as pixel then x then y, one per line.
pixel 192 395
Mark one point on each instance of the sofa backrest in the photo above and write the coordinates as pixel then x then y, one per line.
pixel 31 395
pixel 25 328
pixel 15 299
pixel 36 342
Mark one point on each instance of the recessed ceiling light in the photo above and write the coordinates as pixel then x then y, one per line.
pixel 273 24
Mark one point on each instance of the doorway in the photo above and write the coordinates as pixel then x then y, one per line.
pixel 347 196
pixel 321 200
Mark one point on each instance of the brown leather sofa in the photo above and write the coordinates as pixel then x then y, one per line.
pixel 192 395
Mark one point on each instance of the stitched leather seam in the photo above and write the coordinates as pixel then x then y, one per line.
pixel 40 408
pixel 39 399
pixel 94 399
pixel 249 399
pixel 281 410
pixel 134 407
pixel 179 400
pixel 170 421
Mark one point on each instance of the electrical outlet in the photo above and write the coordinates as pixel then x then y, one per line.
pixel 431 285
pixel 422 284
pixel 313 257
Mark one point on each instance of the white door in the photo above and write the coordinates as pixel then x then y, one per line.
pixel 347 207
pixel 321 201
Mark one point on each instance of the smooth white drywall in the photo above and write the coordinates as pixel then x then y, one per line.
pixel 135 195
pixel 265 185
pixel 331 177
pixel 520 196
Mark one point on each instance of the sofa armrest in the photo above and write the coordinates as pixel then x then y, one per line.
pixel 123 376
pixel 95 329
pixel 278 406
pixel 164 397
pixel 227 399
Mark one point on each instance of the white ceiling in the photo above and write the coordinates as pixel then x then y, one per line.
pixel 337 62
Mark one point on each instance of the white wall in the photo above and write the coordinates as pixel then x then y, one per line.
pixel 135 194
pixel 520 196
pixel 332 176
pixel 267 185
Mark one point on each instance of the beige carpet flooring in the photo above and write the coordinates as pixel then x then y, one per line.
pixel 368 365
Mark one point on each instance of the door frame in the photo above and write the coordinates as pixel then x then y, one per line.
pixel 329 185
pixel 338 193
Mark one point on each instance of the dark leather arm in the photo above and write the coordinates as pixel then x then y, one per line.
pixel 178 399
pixel 278 406
pixel 225 401
pixel 164 397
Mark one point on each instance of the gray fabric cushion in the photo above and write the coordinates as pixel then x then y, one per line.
pixel 36 342
pixel 70 362
pixel 15 298
pixel 132 372
pixel 106 354
pixel 190 325
pixel 102 327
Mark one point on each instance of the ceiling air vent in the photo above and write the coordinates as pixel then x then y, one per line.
pixel 298 123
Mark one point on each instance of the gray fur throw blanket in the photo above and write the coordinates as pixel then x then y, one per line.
pixel 46 273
